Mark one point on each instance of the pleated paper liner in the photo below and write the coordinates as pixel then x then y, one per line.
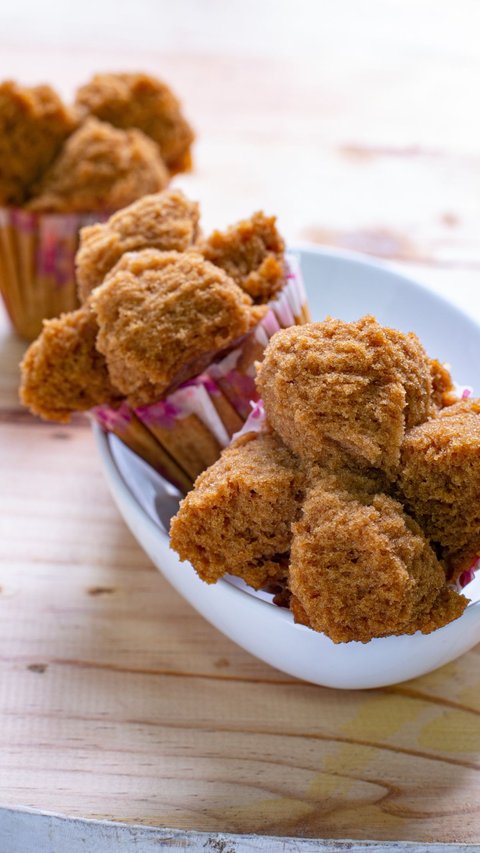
pixel 184 433
pixel 37 265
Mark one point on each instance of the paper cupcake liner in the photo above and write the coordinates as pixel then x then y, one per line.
pixel 192 425
pixel 37 265
pixel 179 436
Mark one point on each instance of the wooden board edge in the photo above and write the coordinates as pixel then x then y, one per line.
pixel 29 831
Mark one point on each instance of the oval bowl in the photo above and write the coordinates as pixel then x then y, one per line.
pixel 345 286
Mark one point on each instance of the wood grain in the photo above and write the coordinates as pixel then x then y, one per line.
pixel 116 699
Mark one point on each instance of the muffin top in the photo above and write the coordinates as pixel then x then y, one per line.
pixel 100 167
pixel 34 123
pixel 163 316
pixel 252 253
pixel 336 391
pixel 139 100
pixel 63 372
pixel 166 221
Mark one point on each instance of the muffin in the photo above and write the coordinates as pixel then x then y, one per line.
pixel 238 518
pixel 440 482
pixel 62 168
pixel 326 493
pixel 174 337
pixel 34 124
pixel 139 100
pixel 361 568
pixel 100 167
pixel 338 391
pixel 63 370
pixel 169 222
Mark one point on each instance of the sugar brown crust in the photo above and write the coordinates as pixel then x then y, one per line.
pixel 361 568
pixel 443 389
pixel 440 480
pixel 141 101
pixel 33 125
pixel 162 317
pixel 252 253
pixel 238 517
pixel 166 221
pixel 62 371
pixel 337 391
pixel 100 168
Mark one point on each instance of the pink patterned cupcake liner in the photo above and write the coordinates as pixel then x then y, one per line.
pixel 37 265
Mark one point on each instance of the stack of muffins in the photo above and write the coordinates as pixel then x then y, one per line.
pixel 62 167
pixel 357 496
pixel 164 345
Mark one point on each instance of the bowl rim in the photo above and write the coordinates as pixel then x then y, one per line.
pixel 363 260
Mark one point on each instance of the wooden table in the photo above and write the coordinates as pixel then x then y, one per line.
pixel 117 701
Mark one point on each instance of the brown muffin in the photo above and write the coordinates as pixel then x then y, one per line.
pixel 252 253
pixel 339 392
pixel 361 568
pixel 440 480
pixel 138 100
pixel 33 125
pixel 166 221
pixel 100 168
pixel 62 371
pixel 163 316
pixel 238 517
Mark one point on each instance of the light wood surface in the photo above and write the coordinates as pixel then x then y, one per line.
pixel 358 127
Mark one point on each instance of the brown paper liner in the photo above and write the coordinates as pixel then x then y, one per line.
pixel 37 265
pixel 144 444
pixel 190 442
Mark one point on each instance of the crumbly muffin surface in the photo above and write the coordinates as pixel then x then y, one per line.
pixel 361 568
pixel 440 480
pixel 33 125
pixel 141 101
pixel 252 253
pixel 100 168
pixel 338 391
pixel 162 318
pixel 238 517
pixel 347 398
pixel 166 221
pixel 62 371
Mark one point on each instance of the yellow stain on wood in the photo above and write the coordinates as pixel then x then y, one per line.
pixel 347 761
pixel 379 718
pixel 382 716
pixel 452 731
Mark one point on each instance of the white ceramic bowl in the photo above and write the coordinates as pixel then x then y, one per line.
pixel 347 287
